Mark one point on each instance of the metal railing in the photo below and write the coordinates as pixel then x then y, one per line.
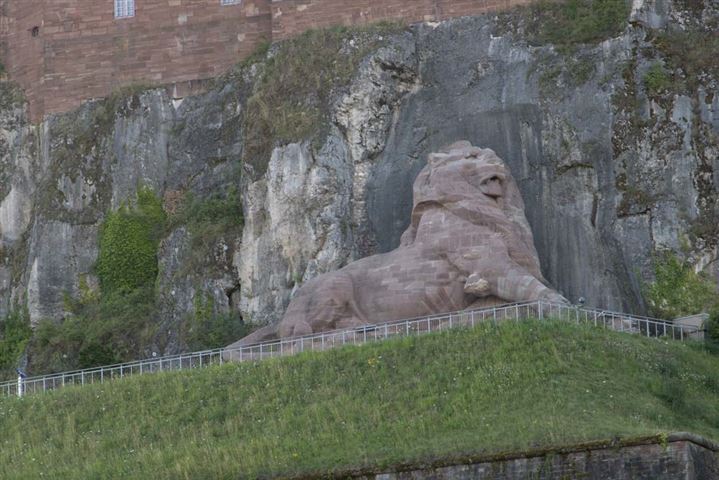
pixel 621 322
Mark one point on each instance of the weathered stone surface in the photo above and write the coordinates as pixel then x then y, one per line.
pixel 468 245
pixel 682 457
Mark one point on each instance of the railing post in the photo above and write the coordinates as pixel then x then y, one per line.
pixel 472 318
pixel 450 320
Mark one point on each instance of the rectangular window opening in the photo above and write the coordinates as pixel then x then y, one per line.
pixel 230 2
pixel 124 8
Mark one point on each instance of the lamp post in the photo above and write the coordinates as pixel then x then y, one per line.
pixel 20 377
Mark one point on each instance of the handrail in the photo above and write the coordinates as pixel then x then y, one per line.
pixel 354 335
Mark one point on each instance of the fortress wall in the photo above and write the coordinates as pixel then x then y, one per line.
pixel 290 17
pixel 80 51
pixel 682 457
pixel 23 54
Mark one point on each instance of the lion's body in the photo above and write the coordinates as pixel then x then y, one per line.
pixel 462 248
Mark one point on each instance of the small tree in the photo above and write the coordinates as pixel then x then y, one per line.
pixel 678 289
pixel 712 330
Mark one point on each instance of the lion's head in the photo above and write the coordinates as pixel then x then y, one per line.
pixel 474 183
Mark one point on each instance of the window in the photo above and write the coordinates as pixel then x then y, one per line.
pixel 124 8
pixel 230 2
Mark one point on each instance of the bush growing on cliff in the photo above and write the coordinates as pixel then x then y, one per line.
pixel 15 333
pixel 209 219
pixel 118 323
pixel 291 98
pixel 579 21
pixel 693 51
pixel 712 330
pixel 129 239
pixel 207 329
pixel 678 290
pixel 656 79
pixel 117 327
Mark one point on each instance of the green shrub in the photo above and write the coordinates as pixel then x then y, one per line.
pixel 712 330
pixel 119 322
pixel 657 79
pixel 209 219
pixel 678 290
pixel 117 327
pixel 579 21
pixel 15 332
pixel 290 101
pixel 207 329
pixel 693 51
pixel 129 239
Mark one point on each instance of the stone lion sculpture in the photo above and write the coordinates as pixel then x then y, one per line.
pixel 468 245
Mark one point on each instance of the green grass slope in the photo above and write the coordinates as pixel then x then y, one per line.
pixel 490 389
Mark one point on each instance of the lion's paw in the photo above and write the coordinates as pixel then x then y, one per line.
pixel 554 297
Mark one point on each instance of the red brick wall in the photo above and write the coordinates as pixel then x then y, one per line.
pixel 24 52
pixel 81 51
pixel 290 17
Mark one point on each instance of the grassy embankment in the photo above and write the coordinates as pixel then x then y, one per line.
pixel 490 389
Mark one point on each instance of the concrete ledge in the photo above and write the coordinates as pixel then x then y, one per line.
pixel 675 456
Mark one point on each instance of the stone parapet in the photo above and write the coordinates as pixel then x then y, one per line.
pixel 678 456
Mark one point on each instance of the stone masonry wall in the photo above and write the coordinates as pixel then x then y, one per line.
pixel 65 51
pixel 681 457
pixel 290 17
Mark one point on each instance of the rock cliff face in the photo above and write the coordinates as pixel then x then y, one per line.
pixel 615 146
